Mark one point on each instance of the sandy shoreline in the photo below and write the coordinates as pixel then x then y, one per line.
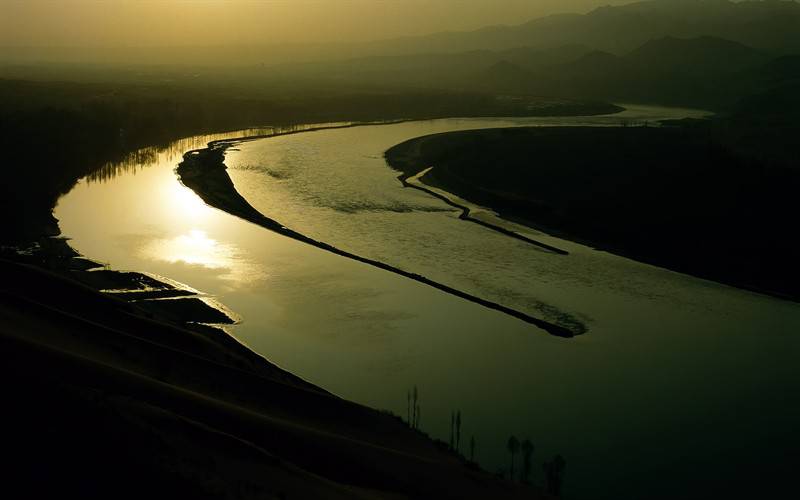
pixel 156 295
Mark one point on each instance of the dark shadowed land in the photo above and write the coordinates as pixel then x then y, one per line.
pixel 105 398
pixel 679 196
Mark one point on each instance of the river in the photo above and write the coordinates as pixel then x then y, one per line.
pixel 678 381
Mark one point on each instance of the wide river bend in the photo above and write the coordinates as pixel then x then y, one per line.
pixel 678 381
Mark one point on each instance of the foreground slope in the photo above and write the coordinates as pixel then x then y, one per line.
pixel 100 400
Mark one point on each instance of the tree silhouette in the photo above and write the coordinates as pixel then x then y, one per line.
pixel 472 449
pixel 415 408
pixel 554 474
pixel 452 429
pixel 458 431
pixel 513 448
pixel 408 407
pixel 527 452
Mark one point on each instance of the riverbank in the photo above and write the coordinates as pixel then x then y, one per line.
pixel 88 374
pixel 669 196
pixel 204 172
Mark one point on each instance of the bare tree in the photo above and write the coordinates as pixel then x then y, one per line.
pixel 452 430
pixel 408 407
pixel 527 452
pixel 415 408
pixel 458 431
pixel 554 475
pixel 513 448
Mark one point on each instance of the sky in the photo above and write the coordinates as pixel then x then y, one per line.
pixel 145 23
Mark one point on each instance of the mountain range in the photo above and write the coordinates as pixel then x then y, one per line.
pixel 706 53
pixel 703 53
pixel 771 24
pixel 768 24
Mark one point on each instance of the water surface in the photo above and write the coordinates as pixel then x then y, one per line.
pixel 678 379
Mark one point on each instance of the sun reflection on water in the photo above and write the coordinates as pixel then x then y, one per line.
pixel 183 203
pixel 196 248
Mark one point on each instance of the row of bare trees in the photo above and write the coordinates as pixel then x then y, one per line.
pixel 526 447
pixel 553 469
pixel 413 411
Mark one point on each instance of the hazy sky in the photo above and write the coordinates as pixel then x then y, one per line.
pixel 210 22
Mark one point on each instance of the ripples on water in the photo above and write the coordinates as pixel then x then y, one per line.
pixel 334 186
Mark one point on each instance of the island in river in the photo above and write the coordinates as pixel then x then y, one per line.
pixel 672 196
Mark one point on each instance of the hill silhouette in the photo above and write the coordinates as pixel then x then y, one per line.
pixel 703 72
pixel 503 76
pixel 702 55
pixel 769 25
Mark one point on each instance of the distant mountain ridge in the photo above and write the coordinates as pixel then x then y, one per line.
pixel 703 53
pixel 706 52
pixel 771 25
pixel 703 71
pixel 680 52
